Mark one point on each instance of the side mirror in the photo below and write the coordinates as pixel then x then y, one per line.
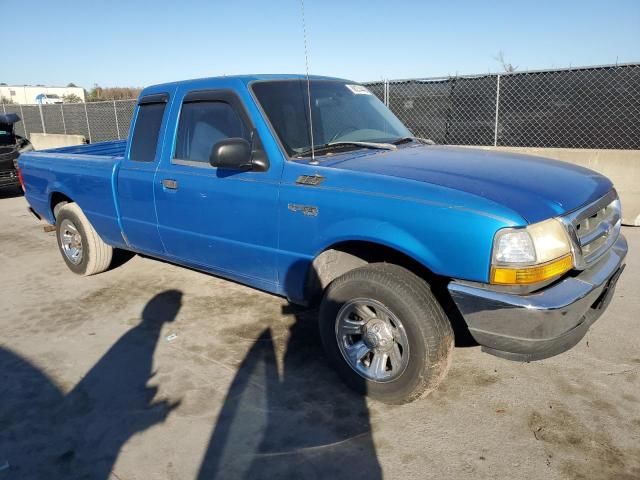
pixel 231 154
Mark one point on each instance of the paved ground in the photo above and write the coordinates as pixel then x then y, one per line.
pixel 94 386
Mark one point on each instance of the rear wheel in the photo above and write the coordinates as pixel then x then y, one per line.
pixel 84 252
pixel 58 207
pixel 385 333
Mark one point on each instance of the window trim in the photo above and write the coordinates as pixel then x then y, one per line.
pixel 223 95
pixel 154 98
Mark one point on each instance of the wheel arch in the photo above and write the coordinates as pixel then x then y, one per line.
pixel 56 198
pixel 340 257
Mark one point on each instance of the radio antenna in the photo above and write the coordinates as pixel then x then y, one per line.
pixel 306 64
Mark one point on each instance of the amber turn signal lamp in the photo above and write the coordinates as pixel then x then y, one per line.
pixel 532 274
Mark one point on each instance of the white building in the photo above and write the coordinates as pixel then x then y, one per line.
pixel 27 94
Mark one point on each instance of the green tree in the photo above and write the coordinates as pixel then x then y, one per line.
pixel 100 94
pixel 95 94
pixel 71 98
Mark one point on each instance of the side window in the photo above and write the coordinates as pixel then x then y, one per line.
pixel 202 124
pixel 146 132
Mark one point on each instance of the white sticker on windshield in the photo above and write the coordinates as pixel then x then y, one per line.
pixel 358 89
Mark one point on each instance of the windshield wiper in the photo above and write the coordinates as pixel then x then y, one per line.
pixel 327 147
pixel 425 141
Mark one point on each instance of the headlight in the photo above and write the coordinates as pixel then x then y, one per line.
pixel 523 256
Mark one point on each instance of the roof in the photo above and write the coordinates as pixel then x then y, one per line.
pixel 250 78
pixel 9 118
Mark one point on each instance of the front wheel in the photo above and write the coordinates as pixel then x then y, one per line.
pixel 385 333
pixel 82 249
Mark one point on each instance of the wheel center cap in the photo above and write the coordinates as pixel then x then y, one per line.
pixel 377 334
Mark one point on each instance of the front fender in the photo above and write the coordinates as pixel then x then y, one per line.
pixel 380 232
pixel 448 242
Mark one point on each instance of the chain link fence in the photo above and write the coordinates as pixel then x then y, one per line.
pixel 96 121
pixel 591 107
pixel 594 107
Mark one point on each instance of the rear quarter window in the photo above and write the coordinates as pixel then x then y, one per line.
pixel 146 132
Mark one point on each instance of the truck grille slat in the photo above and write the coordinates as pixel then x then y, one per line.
pixel 594 229
pixel 602 228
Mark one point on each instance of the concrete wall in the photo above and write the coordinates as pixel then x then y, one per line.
pixel 42 141
pixel 621 166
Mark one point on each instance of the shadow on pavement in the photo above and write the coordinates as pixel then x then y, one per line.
pixel 120 257
pixel 286 414
pixel 47 434
pixel 291 417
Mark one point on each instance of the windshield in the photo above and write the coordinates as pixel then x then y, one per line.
pixel 342 112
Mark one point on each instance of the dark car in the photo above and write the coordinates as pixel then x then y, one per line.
pixel 11 146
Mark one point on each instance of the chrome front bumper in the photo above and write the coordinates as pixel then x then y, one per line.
pixel 9 178
pixel 544 323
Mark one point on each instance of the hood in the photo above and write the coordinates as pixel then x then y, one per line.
pixel 534 187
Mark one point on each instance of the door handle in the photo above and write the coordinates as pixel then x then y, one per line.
pixel 170 184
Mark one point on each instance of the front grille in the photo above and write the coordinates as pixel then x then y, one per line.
pixel 8 174
pixel 9 153
pixel 594 229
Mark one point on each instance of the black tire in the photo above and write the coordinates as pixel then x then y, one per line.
pixel 428 331
pixel 96 255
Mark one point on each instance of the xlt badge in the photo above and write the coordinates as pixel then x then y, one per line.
pixel 308 210
pixel 312 180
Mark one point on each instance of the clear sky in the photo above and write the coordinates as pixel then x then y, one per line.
pixel 141 42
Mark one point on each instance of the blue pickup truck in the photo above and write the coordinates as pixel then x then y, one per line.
pixel 313 190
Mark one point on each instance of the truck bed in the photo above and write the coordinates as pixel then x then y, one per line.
pixel 114 148
pixel 84 174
